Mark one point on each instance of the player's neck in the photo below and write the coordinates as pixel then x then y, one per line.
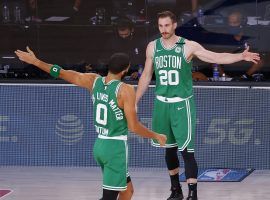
pixel 169 42
pixel 111 76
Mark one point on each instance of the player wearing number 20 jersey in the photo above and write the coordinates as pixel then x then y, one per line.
pixel 174 109
pixel 172 70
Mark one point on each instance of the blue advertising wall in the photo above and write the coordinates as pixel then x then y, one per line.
pixel 52 125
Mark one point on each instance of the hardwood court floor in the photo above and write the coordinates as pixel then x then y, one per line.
pixel 58 183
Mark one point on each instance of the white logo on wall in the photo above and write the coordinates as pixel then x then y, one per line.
pixel 178 49
pixel 70 129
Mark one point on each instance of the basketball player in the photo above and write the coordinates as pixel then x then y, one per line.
pixel 174 110
pixel 114 113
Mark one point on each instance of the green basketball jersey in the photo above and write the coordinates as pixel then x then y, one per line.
pixel 172 70
pixel 109 119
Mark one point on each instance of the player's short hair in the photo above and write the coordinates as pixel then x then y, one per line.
pixel 118 62
pixel 167 13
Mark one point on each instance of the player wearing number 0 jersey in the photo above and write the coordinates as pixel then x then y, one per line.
pixel 114 114
pixel 111 126
pixel 110 120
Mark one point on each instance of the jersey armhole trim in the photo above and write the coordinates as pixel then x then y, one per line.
pixel 117 89
pixel 184 53
pixel 154 51
pixel 94 83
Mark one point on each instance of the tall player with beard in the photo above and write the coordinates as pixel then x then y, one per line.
pixel 170 57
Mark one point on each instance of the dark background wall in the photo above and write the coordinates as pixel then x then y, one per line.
pixel 78 40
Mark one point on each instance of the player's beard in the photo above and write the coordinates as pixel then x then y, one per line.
pixel 167 35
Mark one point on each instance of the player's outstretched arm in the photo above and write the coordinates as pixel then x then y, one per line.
pixel 81 79
pixel 205 55
pixel 127 100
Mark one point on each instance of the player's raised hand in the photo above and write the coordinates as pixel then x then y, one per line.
pixel 162 139
pixel 26 56
pixel 250 56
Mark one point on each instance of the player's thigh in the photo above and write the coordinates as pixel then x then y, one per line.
pixel 161 120
pixel 183 117
pixel 115 167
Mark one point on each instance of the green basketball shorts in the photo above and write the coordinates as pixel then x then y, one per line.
pixel 112 156
pixel 176 118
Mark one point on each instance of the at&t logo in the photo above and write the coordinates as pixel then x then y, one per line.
pixel 70 129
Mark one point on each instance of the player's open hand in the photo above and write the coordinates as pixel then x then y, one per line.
pixel 162 139
pixel 250 56
pixel 28 57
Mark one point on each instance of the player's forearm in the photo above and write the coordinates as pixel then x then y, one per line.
pixel 142 87
pixel 67 75
pixel 42 65
pixel 141 130
pixel 228 58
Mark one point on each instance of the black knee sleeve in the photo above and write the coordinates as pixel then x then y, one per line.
pixel 191 167
pixel 171 158
pixel 110 194
pixel 128 179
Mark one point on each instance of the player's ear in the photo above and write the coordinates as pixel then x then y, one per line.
pixel 175 25
pixel 124 72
